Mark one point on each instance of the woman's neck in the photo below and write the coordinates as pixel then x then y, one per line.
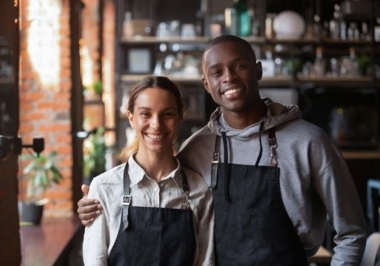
pixel 156 165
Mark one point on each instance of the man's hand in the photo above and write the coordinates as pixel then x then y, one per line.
pixel 88 209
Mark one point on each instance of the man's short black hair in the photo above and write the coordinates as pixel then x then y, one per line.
pixel 229 38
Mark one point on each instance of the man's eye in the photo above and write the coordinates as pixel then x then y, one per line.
pixel 145 114
pixel 215 73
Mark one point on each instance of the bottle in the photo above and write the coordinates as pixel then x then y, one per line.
pixel 269 34
pixel 365 33
pixel 199 24
pixel 316 26
pixel 335 24
pixel 353 66
pixel 319 66
pixel 356 31
pixel 127 25
pixel 343 30
pixel 252 11
pixel 237 19
pixel 377 30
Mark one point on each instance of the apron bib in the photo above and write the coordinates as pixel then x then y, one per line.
pixel 252 226
pixel 154 236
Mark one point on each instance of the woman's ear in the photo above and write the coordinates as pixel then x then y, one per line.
pixel 130 118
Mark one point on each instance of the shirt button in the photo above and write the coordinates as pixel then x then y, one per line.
pixel 155 189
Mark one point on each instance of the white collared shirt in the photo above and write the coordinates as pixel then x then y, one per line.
pixel 147 192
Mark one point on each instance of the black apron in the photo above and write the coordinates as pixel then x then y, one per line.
pixel 252 226
pixel 154 236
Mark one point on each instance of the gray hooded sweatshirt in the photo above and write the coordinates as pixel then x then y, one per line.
pixel 314 178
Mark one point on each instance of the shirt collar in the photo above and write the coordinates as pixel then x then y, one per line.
pixel 137 173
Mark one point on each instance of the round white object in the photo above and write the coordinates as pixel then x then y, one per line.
pixel 288 25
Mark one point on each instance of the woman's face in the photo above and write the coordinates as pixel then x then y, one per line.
pixel 155 119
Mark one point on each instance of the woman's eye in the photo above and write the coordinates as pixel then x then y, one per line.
pixel 169 114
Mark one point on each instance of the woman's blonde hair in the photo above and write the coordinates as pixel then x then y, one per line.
pixel 158 82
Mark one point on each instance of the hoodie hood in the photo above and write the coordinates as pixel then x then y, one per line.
pixel 277 114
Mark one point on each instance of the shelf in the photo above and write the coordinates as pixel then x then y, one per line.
pixel 252 39
pixel 345 42
pixel 361 155
pixel 198 40
pixel 131 79
pixel 346 82
pixel 277 81
pixel 154 39
pixel 291 40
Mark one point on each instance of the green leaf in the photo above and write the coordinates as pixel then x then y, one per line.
pixel 41 172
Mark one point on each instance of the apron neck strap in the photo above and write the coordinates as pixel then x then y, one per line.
pixel 216 155
pixel 127 198
pixel 272 145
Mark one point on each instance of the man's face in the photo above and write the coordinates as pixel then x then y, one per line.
pixel 231 76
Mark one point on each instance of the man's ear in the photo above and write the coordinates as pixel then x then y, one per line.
pixel 259 70
pixel 205 84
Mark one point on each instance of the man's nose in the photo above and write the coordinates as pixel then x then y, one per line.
pixel 229 75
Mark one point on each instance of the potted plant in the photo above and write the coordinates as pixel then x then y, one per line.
pixel 41 173
pixel 94 155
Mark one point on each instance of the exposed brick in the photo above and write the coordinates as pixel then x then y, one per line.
pixel 44 110
pixel 36 115
pixel 59 205
pixel 54 105
pixel 65 162
pixel 58 194
pixel 26 128
pixel 66 172
pixel 56 127
pixel 41 104
pixel 64 138
pixel 32 96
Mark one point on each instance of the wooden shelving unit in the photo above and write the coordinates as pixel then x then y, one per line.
pixel 361 155
pixel 293 48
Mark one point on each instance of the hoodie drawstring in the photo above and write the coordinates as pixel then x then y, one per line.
pixel 261 145
pixel 227 165
pixel 226 169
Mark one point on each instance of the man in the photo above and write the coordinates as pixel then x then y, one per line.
pixel 274 176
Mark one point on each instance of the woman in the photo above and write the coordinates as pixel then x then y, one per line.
pixel 155 212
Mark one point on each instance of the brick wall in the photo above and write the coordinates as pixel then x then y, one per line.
pixel 90 43
pixel 98 52
pixel 45 81
pixel 45 84
pixel 108 66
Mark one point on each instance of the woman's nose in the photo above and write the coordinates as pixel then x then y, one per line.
pixel 155 122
